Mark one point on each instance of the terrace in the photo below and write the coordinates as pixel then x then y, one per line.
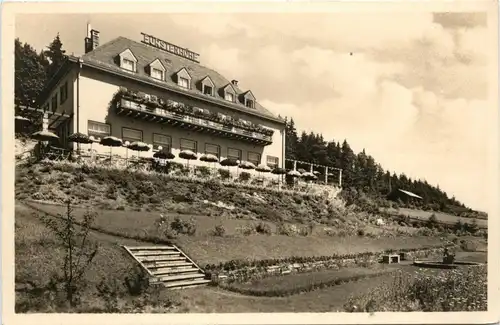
pixel 152 109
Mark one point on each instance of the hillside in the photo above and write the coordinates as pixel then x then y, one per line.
pixel 361 173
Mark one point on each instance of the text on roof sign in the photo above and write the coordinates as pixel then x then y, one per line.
pixel 168 47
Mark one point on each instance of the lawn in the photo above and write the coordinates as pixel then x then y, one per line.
pixel 465 286
pixel 441 217
pixel 216 300
pixel 205 248
pixel 38 256
pixel 303 282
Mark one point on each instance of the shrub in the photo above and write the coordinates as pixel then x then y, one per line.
pixel 244 176
pixel 457 290
pixel 224 173
pixel 183 227
pixel 267 213
pixel 246 230
pixel 468 245
pixel 305 231
pixel 203 171
pixel 219 231
pixel 263 228
pixel 136 282
pixel 108 290
pixel 361 232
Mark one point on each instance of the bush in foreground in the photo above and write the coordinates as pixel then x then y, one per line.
pixel 455 290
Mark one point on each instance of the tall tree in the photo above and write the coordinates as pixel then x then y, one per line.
pixel 347 163
pixel 29 74
pixel 56 55
pixel 291 139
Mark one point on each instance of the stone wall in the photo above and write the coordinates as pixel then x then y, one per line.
pixel 256 272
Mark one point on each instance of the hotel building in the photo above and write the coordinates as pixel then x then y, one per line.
pixel 158 93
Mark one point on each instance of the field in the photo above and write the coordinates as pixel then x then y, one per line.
pixel 441 217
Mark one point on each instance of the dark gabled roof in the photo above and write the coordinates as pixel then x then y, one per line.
pixel 159 61
pixel 410 194
pixel 104 57
pixel 128 50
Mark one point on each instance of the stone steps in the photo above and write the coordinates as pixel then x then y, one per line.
pixel 168 266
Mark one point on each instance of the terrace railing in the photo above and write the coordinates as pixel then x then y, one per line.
pixel 127 106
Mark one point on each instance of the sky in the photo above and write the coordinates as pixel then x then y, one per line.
pixel 410 88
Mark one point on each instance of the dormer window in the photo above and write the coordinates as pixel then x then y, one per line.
pixel 128 65
pixel 207 86
pixel 157 74
pixel 183 82
pixel 184 79
pixel 207 90
pixel 248 99
pixel 228 93
pixel 128 61
pixel 229 97
pixel 157 70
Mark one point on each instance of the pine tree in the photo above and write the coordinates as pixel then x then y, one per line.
pixel 290 140
pixel 56 55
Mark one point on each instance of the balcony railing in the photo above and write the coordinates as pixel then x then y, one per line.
pixel 137 110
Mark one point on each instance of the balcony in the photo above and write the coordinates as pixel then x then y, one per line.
pixel 128 107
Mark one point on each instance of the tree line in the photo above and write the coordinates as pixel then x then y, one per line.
pixel 362 173
pixel 32 71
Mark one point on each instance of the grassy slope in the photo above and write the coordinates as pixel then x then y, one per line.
pixel 205 248
pixel 38 255
pixel 137 191
pixel 441 217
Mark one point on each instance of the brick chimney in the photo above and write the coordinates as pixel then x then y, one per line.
pixel 234 82
pixel 92 39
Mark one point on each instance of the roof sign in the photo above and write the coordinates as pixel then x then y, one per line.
pixel 171 48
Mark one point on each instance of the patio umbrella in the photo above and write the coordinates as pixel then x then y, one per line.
pixel 278 171
pixel 110 141
pixel 209 158
pixel 44 135
pixel 263 169
pixel 188 155
pixel 21 118
pixel 138 146
pixel 229 162
pixel 246 165
pixel 79 138
pixel 163 155
pixel 21 123
pixel 308 176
